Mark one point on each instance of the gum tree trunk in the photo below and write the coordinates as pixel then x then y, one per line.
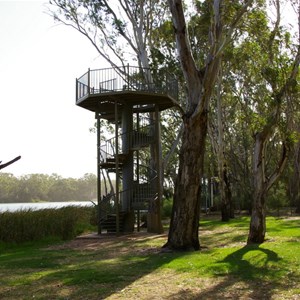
pixel 200 83
pixel 261 184
pixel 183 233
pixel 258 214
pixel 227 208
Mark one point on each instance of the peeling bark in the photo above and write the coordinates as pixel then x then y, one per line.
pixel 261 185
pixel 183 233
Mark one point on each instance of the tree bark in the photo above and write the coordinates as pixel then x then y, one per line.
pixel 258 221
pixel 258 215
pixel 226 205
pixel 227 208
pixel 294 185
pixel 261 185
pixel 184 226
pixel 200 83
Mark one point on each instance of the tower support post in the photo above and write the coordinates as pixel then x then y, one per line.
pixel 98 173
pixel 117 200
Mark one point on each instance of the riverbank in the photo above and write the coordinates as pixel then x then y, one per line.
pixel 11 207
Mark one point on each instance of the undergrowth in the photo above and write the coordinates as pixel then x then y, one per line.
pixel 33 225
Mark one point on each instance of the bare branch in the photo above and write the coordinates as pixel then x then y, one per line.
pixel 183 44
pixel 2 166
pixel 232 26
pixel 281 165
pixel 173 147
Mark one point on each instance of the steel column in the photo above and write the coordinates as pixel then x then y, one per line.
pixel 98 173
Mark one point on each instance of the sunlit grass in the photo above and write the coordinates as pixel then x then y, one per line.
pixel 132 268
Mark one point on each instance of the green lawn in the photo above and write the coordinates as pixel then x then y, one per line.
pixel 133 267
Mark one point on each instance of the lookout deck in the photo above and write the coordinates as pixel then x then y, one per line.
pixel 99 90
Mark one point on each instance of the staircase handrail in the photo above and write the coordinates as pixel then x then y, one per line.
pixel 104 205
pixel 108 148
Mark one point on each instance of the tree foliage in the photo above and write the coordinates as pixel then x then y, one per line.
pixel 41 187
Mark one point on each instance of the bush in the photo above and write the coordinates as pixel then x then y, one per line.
pixel 277 197
pixel 167 207
pixel 28 225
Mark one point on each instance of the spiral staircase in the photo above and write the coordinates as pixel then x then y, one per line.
pixel 143 190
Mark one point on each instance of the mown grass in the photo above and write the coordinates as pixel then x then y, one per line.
pixel 134 267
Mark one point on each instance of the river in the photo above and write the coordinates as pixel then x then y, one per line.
pixel 41 205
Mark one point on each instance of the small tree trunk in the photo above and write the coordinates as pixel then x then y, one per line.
pixel 297 211
pixel 258 215
pixel 258 221
pixel 227 208
pixel 294 186
pixel 228 194
pixel 184 226
pixel 261 184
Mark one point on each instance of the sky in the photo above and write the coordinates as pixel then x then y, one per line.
pixel 39 62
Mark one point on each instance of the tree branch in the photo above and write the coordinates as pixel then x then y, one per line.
pixel 278 171
pixel 232 26
pixel 2 166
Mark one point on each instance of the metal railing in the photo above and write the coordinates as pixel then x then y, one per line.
pixel 139 196
pixel 108 148
pixel 126 79
pixel 136 138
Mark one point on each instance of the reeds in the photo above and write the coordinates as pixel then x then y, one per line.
pixel 30 225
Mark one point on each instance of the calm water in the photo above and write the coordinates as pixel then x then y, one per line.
pixel 36 206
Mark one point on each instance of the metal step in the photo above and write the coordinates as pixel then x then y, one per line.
pixel 141 140
pixel 110 222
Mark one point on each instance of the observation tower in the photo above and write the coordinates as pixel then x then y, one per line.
pixel 130 99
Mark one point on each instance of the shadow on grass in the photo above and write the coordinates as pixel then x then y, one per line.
pixel 103 268
pixel 80 274
pixel 238 277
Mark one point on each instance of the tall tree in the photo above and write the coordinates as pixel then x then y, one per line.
pixel 280 78
pixel 200 82
pixel 216 133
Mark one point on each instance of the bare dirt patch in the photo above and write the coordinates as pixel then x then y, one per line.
pixel 124 244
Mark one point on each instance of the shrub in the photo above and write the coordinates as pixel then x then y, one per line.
pixel 167 207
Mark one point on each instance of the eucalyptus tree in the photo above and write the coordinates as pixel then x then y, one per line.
pixel 264 89
pixel 199 28
pixel 200 84
pixel 280 76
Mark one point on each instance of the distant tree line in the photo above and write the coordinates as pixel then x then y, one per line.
pixel 41 187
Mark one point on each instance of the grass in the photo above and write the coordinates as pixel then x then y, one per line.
pixel 133 267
